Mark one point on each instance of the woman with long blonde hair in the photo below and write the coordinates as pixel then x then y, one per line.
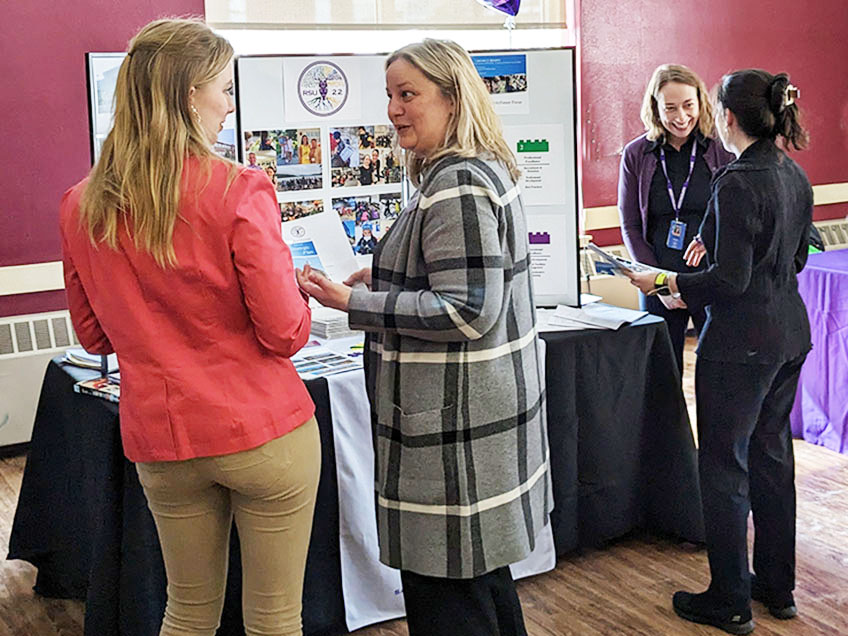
pixel 174 260
pixel 452 365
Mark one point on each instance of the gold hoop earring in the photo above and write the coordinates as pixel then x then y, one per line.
pixel 195 113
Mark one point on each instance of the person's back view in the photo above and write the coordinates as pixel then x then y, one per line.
pixel 174 260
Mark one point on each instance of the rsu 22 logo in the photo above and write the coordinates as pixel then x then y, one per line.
pixel 322 88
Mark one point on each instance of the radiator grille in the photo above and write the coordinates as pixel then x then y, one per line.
pixel 834 233
pixel 60 332
pixel 31 335
pixel 6 345
pixel 23 336
pixel 42 334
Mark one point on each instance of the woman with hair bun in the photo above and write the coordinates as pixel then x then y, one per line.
pixel 751 350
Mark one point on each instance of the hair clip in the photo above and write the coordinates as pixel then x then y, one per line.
pixel 790 94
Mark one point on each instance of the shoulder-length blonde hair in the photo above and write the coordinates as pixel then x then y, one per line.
pixel 683 75
pixel 137 178
pixel 474 129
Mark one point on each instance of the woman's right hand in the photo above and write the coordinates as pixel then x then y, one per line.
pixel 694 253
pixel 315 283
pixel 361 276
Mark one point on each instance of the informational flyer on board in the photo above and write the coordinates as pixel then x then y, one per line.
pixel 319 240
pixel 505 77
pixel 541 158
pixel 548 252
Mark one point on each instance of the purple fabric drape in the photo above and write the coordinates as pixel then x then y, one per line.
pixel 820 414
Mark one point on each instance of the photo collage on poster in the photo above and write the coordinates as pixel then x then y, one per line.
pixel 363 156
pixel 293 210
pixel 366 219
pixel 291 158
pixel 359 156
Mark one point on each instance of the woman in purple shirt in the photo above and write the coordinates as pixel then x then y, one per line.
pixel 664 185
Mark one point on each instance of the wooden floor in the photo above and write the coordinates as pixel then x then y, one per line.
pixel 624 589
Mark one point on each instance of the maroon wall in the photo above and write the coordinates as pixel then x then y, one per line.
pixel 45 117
pixel 622 41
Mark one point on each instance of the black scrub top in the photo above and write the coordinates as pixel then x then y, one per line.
pixel 660 210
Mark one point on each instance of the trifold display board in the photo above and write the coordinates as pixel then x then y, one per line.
pixel 317 125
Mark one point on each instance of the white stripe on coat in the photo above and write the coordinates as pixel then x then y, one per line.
pixel 443 357
pixel 467 330
pixel 469 509
pixel 425 202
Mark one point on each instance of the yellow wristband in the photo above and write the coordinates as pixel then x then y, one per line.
pixel 661 280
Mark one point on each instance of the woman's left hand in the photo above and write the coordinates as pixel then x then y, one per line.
pixel 322 289
pixel 643 280
pixel 695 252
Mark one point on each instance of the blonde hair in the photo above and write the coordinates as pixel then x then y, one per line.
pixel 474 129
pixel 682 75
pixel 137 177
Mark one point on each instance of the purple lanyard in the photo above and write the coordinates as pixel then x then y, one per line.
pixel 675 205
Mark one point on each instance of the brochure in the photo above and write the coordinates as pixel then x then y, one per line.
pixel 103 388
pixel 617 265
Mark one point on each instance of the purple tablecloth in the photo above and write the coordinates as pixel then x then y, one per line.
pixel 820 414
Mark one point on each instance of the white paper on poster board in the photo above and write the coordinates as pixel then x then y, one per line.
pixel 260 87
pixel 505 75
pixel 547 236
pixel 317 88
pixel 320 241
pixel 541 158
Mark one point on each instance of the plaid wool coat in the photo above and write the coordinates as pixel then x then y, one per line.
pixel 452 373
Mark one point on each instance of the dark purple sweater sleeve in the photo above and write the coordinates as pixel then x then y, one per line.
pixel 628 208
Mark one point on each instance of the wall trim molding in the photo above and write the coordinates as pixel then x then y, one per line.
pixel 39 277
pixel 606 216
pixel 829 193
pixel 28 279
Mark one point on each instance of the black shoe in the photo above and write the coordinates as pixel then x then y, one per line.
pixel 780 606
pixel 704 609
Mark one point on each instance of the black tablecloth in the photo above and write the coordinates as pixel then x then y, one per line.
pixel 622 454
pixel 622 457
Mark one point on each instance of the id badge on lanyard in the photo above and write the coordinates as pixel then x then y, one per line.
pixel 677 229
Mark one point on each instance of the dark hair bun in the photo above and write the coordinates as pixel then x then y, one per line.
pixel 777 92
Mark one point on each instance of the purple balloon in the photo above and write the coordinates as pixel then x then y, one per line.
pixel 510 7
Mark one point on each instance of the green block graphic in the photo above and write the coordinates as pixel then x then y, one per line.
pixel 533 145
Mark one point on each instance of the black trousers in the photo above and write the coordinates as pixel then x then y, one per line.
pixel 486 605
pixel 746 463
pixel 677 321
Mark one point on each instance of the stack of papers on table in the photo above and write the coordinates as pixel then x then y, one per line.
pixel 330 323
pixel 594 316
pixel 318 359
pixel 79 357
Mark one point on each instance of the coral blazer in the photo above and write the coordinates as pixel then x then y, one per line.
pixel 204 346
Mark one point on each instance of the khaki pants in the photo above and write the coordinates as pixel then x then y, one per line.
pixel 270 490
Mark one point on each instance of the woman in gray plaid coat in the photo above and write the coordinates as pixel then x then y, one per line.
pixel 452 364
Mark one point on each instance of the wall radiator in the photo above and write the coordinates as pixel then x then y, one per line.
pixel 834 233
pixel 27 344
